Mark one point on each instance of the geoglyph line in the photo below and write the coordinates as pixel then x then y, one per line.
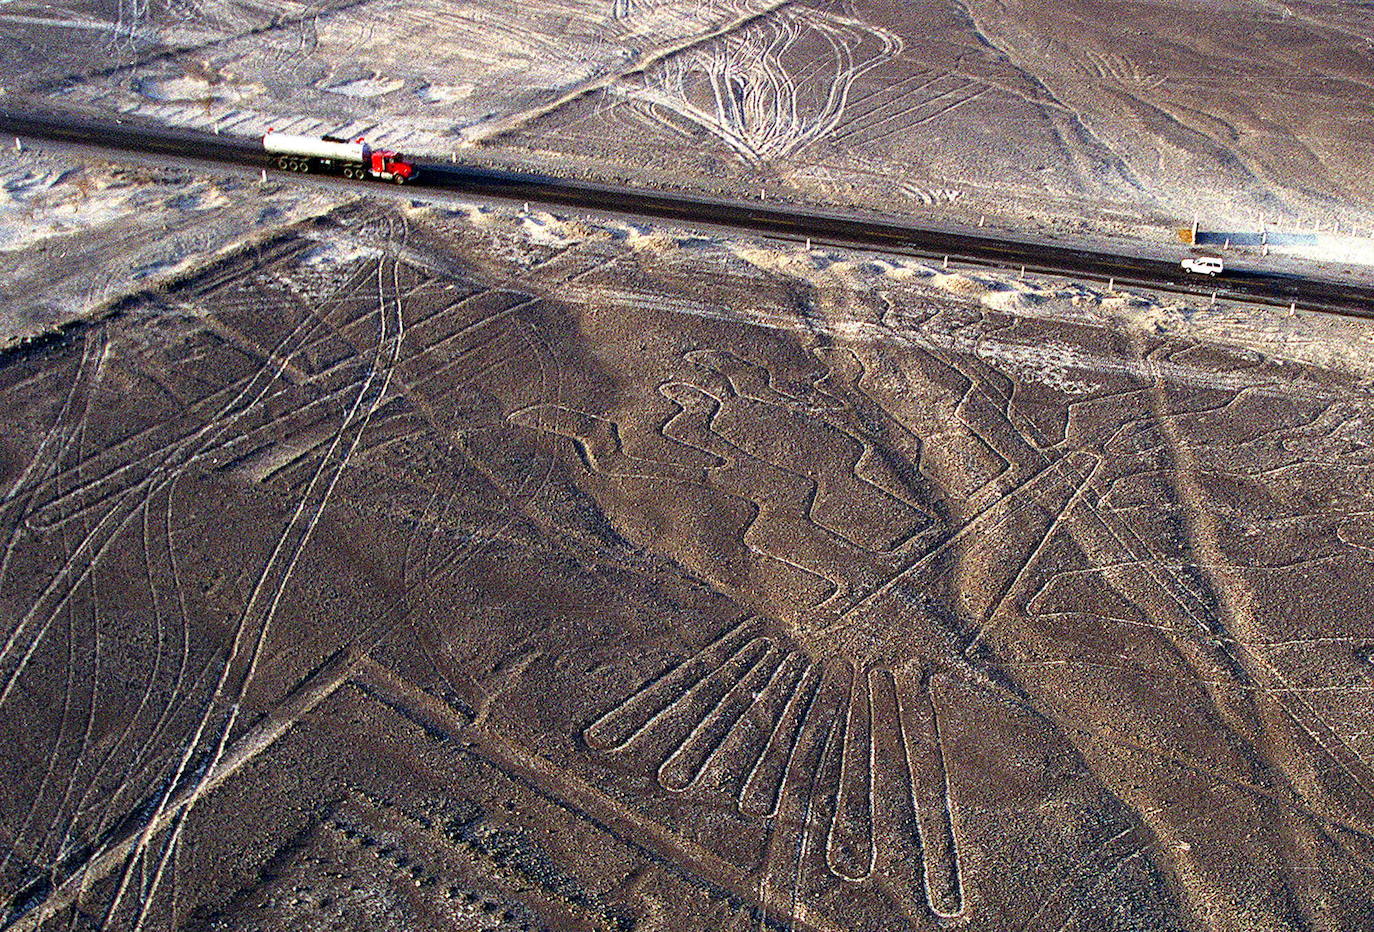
pixel 637 65
pixel 744 90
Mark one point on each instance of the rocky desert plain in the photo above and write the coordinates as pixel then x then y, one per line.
pixel 382 561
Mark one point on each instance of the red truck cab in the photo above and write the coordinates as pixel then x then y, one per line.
pixel 389 164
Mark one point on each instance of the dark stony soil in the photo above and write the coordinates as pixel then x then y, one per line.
pixel 416 571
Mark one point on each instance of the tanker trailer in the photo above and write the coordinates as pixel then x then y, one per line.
pixel 350 158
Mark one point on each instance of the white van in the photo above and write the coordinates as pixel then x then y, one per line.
pixel 1202 265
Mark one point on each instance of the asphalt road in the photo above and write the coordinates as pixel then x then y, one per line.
pixel 887 234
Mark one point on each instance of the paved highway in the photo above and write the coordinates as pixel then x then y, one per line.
pixel 794 223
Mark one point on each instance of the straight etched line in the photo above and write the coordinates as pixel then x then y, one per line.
pixel 684 857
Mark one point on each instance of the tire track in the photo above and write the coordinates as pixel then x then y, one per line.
pixel 641 62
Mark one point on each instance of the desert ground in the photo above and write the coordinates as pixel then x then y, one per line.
pixel 420 568
pixel 383 562
pixel 78 234
pixel 1122 119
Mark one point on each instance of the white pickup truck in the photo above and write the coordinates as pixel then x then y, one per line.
pixel 1202 265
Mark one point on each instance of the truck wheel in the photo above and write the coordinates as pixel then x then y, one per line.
pixel 283 163
pixel 305 165
pixel 399 179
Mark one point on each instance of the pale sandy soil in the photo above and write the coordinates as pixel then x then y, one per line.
pixel 78 234
pixel 1128 119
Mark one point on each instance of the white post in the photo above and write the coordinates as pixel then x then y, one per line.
pixel 264 176
pixel 980 219
pixel 18 146
pixel 1023 272
pixel 808 244
pixel 1214 300
pixel 1194 229
pixel 1111 285
pixel 946 262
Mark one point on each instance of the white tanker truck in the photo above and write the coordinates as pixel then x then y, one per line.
pixel 350 158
